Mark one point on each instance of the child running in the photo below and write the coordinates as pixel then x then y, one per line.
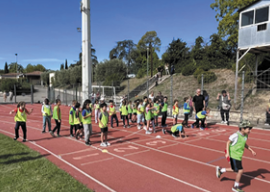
pixel 175 130
pixel 97 111
pixel 149 117
pixel 47 115
pixel 156 111
pixel 112 113
pixel 20 119
pixel 175 112
pixel 103 125
pixel 140 114
pixel 71 118
pixel 78 121
pixel 86 120
pixel 201 116
pixel 57 117
pixel 130 110
pixel 186 111
pixel 164 112
pixel 235 149
pixel 124 110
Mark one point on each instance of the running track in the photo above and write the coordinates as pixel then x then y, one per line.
pixel 139 162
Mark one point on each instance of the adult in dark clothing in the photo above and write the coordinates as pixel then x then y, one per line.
pixel 160 70
pixel 198 102
pixel 160 97
pixel 206 98
pixel 224 105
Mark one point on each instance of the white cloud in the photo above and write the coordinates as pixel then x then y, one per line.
pixel 43 60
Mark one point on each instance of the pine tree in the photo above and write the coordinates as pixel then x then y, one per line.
pixel 6 68
pixel 66 65
pixel 62 67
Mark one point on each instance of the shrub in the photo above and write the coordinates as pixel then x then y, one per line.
pixel 188 70
pixel 198 72
pixel 45 77
pixel 208 77
pixel 8 84
pixel 140 73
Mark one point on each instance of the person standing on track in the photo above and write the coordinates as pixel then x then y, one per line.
pixel 164 108
pixel 186 110
pixel 20 119
pixel 175 112
pixel 57 118
pixel 103 125
pixel 86 120
pixel 124 109
pixel 97 111
pixel 224 105
pixel 234 152
pixel 198 102
pixel 78 121
pixel 156 111
pixel 47 115
pixel 71 118
pixel 140 113
pixel 112 113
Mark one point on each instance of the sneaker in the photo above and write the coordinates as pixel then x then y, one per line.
pixel 24 140
pixel 147 132
pixel 225 122
pixel 43 132
pixel 77 137
pixel 107 143
pixel 58 135
pixel 87 143
pixel 52 133
pixel 111 127
pixel 103 145
pixel 266 124
pixel 163 131
pixel 218 172
pixel 139 127
pixel 237 189
pixel 174 136
pixel 222 122
pixel 15 138
pixel 228 123
pixel 124 126
pixel 192 126
pixel 145 128
pixel 150 129
pixel 71 135
pixel 128 126
pixel 201 128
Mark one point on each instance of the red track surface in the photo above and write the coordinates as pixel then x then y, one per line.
pixel 139 162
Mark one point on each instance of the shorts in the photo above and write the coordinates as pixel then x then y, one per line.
pixel 104 130
pixel 175 116
pixel 140 118
pixel 236 165
pixel 135 114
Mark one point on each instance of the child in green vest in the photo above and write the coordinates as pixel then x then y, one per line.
pixel 97 111
pixel 234 152
pixel 186 110
pixel 78 121
pixel 103 125
pixel 86 120
pixel 130 110
pixel 112 112
pixel 134 112
pixel 156 111
pixel 175 112
pixel 175 130
pixel 20 119
pixel 71 118
pixel 47 115
pixel 149 117
pixel 57 117
pixel 201 116
pixel 140 113
pixel 124 109
pixel 164 109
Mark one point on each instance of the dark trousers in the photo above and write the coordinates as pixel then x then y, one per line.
pixel 164 117
pixel 121 115
pixel 191 111
pixel 57 127
pixel 198 109
pixel 267 117
pixel 185 122
pixel 71 129
pixel 17 127
pixel 197 123
pixel 130 115
pixel 114 117
pixel 175 133
pixel 125 117
pixel 226 112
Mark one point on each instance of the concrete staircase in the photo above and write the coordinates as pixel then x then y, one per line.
pixel 153 84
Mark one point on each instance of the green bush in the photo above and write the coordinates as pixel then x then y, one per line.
pixel 25 85
pixel 140 74
pixel 208 77
pixel 198 72
pixel 8 84
pixel 188 70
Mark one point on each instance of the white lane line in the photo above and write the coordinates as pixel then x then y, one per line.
pixel 82 157
pixel 136 152
pixel 92 162
pixel 167 145
pixel 75 152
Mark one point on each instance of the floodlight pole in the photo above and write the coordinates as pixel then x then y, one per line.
pixel 86 51
pixel 147 73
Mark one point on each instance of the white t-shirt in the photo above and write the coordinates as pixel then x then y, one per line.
pixel 151 97
pixel 234 138
pixel 139 106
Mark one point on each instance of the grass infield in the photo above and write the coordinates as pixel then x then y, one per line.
pixel 25 170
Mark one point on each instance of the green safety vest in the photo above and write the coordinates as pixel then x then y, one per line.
pixel 237 150
pixel 187 110
pixel 71 118
pixel 55 113
pixel 124 110
pixel 157 109
pixel 97 106
pixel 20 116
pixel 47 110
pixel 112 110
pixel 148 115
pixel 200 116
pixel 104 120
pixel 176 110
pixel 134 109
pixel 164 108
pixel 86 121
pixel 129 109
pixel 174 128
pixel 76 121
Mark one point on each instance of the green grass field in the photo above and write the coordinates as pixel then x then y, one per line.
pixel 25 170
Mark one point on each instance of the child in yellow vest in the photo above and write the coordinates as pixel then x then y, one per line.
pixel 78 121
pixel 175 112
pixel 86 120
pixel 234 152
pixel 71 118
pixel 175 130
pixel 20 119
pixel 47 115
pixel 103 125
pixel 201 116
pixel 124 110
pixel 186 111
pixel 97 111
pixel 112 112
pixel 57 118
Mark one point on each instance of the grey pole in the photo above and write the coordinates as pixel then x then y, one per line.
pixel 147 74
pixel 15 93
pixel 202 85
pixel 32 94
pixel 236 78
pixel 171 94
pixel 242 95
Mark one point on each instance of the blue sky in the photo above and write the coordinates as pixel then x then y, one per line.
pixel 45 32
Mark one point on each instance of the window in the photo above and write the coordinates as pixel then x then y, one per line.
pixel 262 15
pixel 247 18
pixel 262 27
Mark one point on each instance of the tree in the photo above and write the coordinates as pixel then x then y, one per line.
pixel 66 65
pixel 6 68
pixel 13 68
pixel 228 17
pixel 29 68
pixel 45 77
pixel 123 50
pixel 150 40
pixel 198 50
pixel 39 67
pixel 62 67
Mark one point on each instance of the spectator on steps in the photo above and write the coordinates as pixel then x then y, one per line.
pixel 167 69
pixel 160 70
pixel 267 122
pixel 224 105
pixel 152 96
